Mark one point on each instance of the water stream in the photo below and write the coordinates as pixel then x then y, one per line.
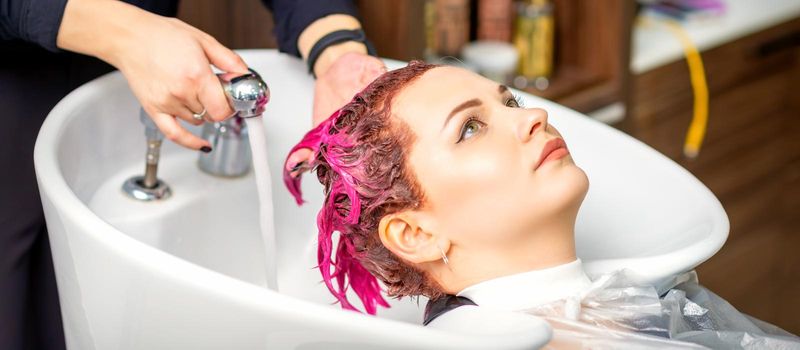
pixel 258 145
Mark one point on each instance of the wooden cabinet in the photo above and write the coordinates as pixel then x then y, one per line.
pixel 239 24
pixel 750 160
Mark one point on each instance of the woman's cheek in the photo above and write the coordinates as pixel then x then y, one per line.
pixel 486 167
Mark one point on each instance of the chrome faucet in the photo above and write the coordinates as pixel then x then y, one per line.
pixel 148 187
pixel 247 95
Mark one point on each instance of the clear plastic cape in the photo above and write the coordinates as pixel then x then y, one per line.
pixel 617 312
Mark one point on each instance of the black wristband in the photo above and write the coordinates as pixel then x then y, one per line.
pixel 337 37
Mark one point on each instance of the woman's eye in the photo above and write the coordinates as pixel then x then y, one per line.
pixel 470 129
pixel 513 102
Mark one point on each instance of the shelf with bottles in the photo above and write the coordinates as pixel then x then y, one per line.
pixel 579 48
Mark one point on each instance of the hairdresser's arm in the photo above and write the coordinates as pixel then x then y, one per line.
pixel 34 21
pixel 165 61
pixel 292 17
pixel 342 70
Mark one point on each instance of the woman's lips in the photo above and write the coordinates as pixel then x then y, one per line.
pixel 553 149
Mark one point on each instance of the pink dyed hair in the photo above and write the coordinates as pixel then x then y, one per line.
pixel 360 158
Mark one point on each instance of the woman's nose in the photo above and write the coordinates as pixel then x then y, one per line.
pixel 534 120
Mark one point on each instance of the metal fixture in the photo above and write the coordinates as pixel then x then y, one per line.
pixel 148 187
pixel 247 95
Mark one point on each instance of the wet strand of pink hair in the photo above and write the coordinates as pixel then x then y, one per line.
pixel 347 270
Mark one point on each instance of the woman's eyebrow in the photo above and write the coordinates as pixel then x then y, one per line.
pixel 502 89
pixel 468 104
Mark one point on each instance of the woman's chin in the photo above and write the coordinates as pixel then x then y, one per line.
pixel 564 182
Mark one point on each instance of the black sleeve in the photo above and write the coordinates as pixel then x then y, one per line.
pixel 293 16
pixel 36 21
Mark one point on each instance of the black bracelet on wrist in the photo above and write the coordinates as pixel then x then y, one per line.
pixel 337 37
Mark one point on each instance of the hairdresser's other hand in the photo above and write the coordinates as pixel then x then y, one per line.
pixel 166 62
pixel 342 70
pixel 347 76
pixel 336 85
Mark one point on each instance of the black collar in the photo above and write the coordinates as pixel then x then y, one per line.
pixel 438 307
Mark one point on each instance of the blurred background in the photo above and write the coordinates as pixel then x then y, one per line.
pixel 625 63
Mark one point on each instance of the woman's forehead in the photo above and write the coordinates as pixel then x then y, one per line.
pixel 437 91
pixel 446 80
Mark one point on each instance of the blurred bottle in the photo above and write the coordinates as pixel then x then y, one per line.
pixel 495 18
pixel 533 37
pixel 429 18
pixel 450 29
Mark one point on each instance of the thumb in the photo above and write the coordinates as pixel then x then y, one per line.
pixel 299 161
pixel 372 70
pixel 222 57
pixel 377 67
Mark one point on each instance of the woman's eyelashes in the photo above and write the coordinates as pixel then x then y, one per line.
pixel 471 127
pixel 514 102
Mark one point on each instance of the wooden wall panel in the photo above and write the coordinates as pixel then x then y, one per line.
pixel 396 27
pixel 239 24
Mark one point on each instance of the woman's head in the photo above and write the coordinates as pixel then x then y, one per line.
pixel 431 160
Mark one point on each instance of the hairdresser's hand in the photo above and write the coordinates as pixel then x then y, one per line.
pixel 165 61
pixel 347 76
pixel 342 70
pixel 336 85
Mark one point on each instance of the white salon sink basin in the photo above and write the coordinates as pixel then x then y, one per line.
pixel 189 272
pixel 210 221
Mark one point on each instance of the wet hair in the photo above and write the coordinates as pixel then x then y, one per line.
pixel 361 160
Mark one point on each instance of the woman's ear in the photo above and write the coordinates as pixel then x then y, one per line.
pixel 403 235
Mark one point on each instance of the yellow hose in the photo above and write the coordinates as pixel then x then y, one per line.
pixel 697 128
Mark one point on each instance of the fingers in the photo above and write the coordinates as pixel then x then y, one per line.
pixel 179 97
pixel 201 92
pixel 376 66
pixel 299 161
pixel 210 94
pixel 222 57
pixel 213 99
pixel 373 68
pixel 187 115
pixel 194 106
pixel 181 105
pixel 174 132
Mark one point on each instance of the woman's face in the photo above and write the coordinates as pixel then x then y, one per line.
pixel 482 162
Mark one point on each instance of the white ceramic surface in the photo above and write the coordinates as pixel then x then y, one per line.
pixel 188 272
